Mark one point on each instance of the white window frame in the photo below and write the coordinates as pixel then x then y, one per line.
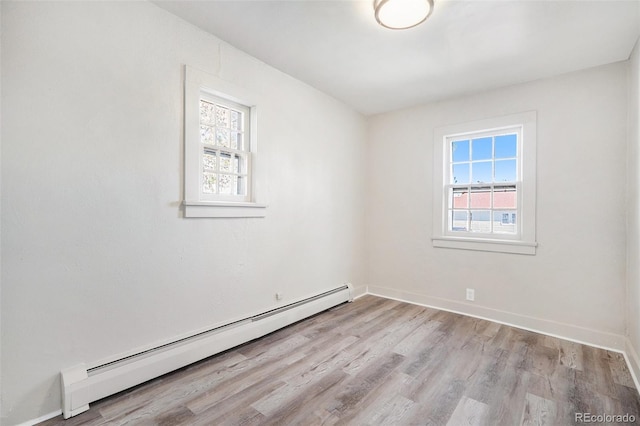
pixel 524 239
pixel 201 85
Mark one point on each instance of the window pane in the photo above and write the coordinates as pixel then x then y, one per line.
pixel 506 171
pixel 225 184
pixel 241 185
pixel 505 197
pixel 239 164
pixel 225 162
pixel 209 160
pixel 209 183
pixel 459 151
pixel 480 221
pixel 459 198
pixel 506 146
pixel 458 220
pixel 460 173
pixel 236 140
pixel 481 149
pixel 482 172
pixel 222 137
pixel 481 198
pixel 504 222
pixel 206 135
pixel 236 120
pixel 222 116
pixel 206 112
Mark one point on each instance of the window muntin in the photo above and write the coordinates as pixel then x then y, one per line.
pixel 482 183
pixel 225 154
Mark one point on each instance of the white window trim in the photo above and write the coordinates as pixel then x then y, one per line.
pixel 525 241
pixel 197 82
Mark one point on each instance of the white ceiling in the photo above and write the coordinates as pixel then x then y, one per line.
pixel 464 47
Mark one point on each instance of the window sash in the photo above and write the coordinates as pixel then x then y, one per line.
pixel 449 223
pixel 451 207
pixel 243 152
pixel 205 196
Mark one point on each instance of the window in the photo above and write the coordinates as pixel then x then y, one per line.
pixel 484 185
pixel 482 182
pixel 225 157
pixel 220 149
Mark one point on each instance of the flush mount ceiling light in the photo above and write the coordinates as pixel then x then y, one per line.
pixel 402 14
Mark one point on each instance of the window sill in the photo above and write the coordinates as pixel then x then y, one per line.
pixel 478 244
pixel 223 209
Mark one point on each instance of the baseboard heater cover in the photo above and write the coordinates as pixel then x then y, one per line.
pixel 81 386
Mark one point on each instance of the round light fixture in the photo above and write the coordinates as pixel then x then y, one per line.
pixel 402 14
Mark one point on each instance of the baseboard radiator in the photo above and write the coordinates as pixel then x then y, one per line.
pixel 82 385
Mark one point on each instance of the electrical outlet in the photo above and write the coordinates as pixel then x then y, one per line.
pixel 471 294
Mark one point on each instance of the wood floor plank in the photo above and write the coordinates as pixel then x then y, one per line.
pixel 357 389
pixel 438 408
pixel 374 323
pixel 538 411
pixel 378 396
pixel 619 370
pixel 483 385
pixel 418 338
pixel 377 361
pixel 388 407
pixel 313 400
pixel 300 375
pixel 178 416
pixel 570 354
pixel 243 416
pixel 333 361
pixel 227 409
pixel 469 412
pixel 629 401
pixel 556 386
pixel 425 356
pixel 596 371
pixel 392 412
pixel 277 356
pixel 542 360
pixel 404 324
pixel 507 403
pixel 476 353
pixel 491 330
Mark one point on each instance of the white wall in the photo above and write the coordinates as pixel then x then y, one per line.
pixel 575 285
pixel 633 210
pixel 97 259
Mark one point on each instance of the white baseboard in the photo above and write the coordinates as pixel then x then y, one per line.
pixel 564 331
pixel 41 418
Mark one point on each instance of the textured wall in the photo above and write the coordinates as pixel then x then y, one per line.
pixel 98 259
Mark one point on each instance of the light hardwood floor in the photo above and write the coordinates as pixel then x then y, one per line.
pixel 382 362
